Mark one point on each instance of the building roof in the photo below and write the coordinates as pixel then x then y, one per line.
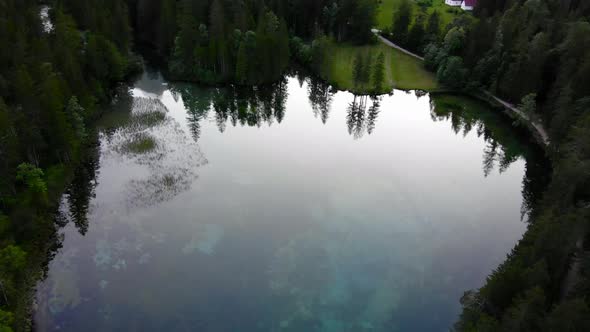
pixel 470 3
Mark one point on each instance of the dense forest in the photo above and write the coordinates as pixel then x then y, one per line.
pixel 53 78
pixel 535 53
pixel 60 61
pixel 245 41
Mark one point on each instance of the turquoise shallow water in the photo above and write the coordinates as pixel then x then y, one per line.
pixel 285 208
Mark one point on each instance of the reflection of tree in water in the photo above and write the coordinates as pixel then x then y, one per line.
pixel 197 102
pixel 503 147
pixel 420 93
pixel 372 116
pixel 320 98
pixel 251 106
pixel 151 82
pixel 81 190
pixel 357 117
pixel 494 153
pixel 501 150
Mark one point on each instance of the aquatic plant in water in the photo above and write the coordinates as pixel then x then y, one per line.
pixel 139 143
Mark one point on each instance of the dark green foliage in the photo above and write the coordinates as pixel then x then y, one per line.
pixel 13 260
pixel 319 54
pixel 527 313
pixel 433 27
pixel 379 72
pixel 31 178
pixel 536 54
pixel 6 321
pixel 209 40
pixel 212 51
pixel 51 81
pixel 104 60
pixel 415 33
pixel 431 56
pixel 361 21
pixel 401 22
pixel 454 41
pixel 362 69
pixel 452 73
pixel 570 316
pixel 301 51
pixel 358 67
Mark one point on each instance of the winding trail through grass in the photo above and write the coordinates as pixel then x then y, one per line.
pixel 397 47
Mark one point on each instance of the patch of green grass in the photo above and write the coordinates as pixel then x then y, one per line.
pixel 401 70
pixel 385 13
pixel 387 8
pixel 139 144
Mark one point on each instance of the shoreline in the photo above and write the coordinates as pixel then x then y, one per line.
pixel 25 315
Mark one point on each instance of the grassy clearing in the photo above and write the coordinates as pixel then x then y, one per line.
pixel 387 7
pixel 401 71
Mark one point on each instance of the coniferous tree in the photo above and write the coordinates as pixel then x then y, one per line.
pixel 242 64
pixel 379 72
pixel 367 70
pixel 433 27
pixel 401 22
pixel 167 26
pixel 416 34
pixel 358 69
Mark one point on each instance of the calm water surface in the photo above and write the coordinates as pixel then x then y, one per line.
pixel 286 208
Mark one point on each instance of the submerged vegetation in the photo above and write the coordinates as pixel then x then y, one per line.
pixel 139 143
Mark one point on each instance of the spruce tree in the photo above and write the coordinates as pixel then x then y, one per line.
pixel 433 27
pixel 379 72
pixel 242 64
pixel 401 22
pixel 358 69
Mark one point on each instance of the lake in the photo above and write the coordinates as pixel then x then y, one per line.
pixel 289 207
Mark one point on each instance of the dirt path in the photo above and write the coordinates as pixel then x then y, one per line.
pixel 537 127
pixel 397 47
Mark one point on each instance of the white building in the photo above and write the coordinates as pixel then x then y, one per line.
pixel 464 4
pixel 454 3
